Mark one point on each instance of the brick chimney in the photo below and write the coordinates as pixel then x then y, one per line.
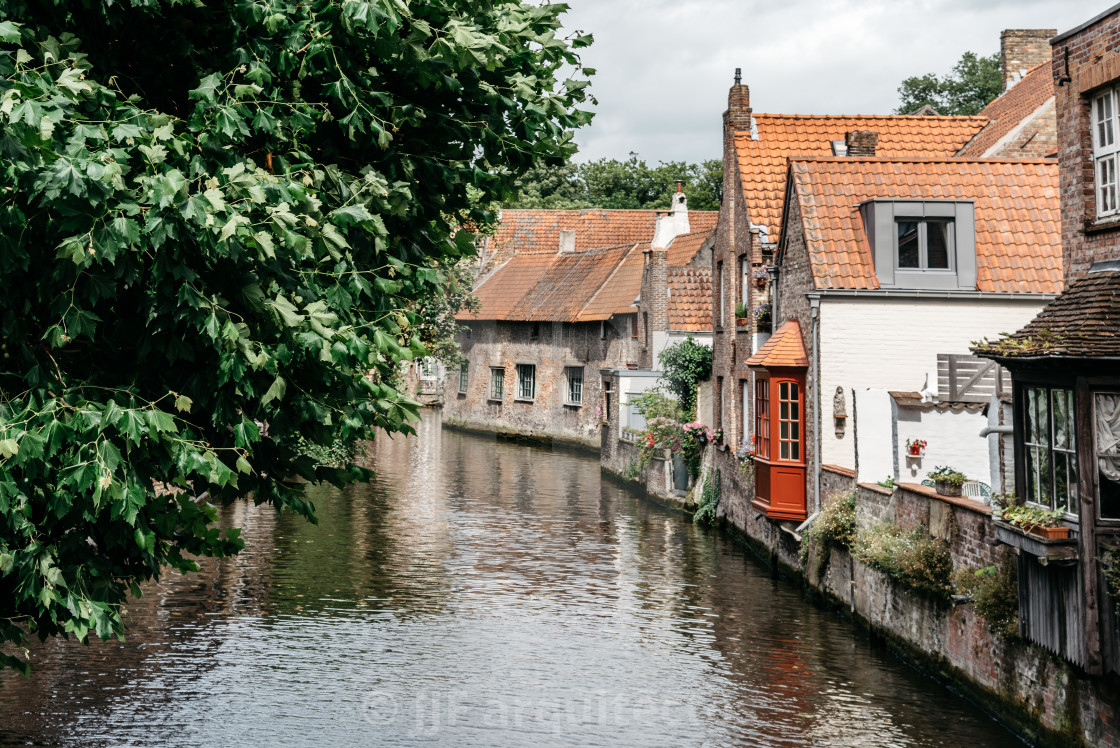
pixel 738 114
pixel 567 242
pixel 861 142
pixel 653 304
pixel 1020 50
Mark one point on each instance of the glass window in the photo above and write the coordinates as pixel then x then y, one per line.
pixel 1050 449
pixel 925 243
pixel 497 383
pixel 1106 431
pixel 526 381
pixel 635 421
pixel 908 255
pixel 762 416
pixel 463 376
pixel 1105 147
pixel 789 421
pixel 575 386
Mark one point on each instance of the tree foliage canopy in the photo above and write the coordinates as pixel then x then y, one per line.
pixel 215 221
pixel 683 366
pixel 972 84
pixel 610 183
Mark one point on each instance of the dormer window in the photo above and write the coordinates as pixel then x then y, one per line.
pixel 925 244
pixel 1106 146
pixel 922 244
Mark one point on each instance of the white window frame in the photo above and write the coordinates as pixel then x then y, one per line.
pixel 1106 151
pixel 522 370
pixel 573 374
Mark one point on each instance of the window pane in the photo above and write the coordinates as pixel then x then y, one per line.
pixel 783 408
pixel 908 245
pixel 1106 428
pixel 784 431
pixel 938 238
pixel 784 449
pixel 793 390
pixel 795 451
pixel 795 413
pixel 1061 430
pixel 794 431
pixel 1104 121
pixel 1106 185
pixel 1073 498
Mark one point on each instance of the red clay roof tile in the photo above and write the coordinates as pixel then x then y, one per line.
pixel 1018 241
pixel 690 298
pixel 684 248
pixel 1015 105
pixel 784 348
pixel 763 162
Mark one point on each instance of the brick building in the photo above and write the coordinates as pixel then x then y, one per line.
pixel 1067 380
pixel 1023 121
pixel 886 267
pixel 757 151
pixel 557 310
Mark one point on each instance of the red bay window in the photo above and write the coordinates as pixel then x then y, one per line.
pixel 779 407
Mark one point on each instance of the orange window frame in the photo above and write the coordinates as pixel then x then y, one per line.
pixel 762 417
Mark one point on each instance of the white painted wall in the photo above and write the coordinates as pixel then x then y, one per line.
pixel 632 385
pixel 662 340
pixel 953 439
pixel 874 435
pixel 891 343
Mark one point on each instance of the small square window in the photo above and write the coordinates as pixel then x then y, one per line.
pixel 497 383
pixel 575 385
pixel 526 381
pixel 925 243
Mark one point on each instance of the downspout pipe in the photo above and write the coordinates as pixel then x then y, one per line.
pixel 1004 429
pixel 815 313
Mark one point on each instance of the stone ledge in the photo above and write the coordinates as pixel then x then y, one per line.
pixel 839 470
pixel 962 501
pixel 877 488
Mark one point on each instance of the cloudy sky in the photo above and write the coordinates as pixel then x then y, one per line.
pixel 664 66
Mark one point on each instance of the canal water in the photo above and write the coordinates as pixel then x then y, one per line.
pixel 481 593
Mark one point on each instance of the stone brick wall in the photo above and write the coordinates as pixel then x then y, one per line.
pixel 1022 49
pixel 653 308
pixel 556 347
pixel 1093 63
pixel 1037 138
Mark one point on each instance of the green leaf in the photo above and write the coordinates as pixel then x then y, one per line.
pixel 287 311
pixel 160 422
pixel 351 214
pixel 276 391
pixel 9 32
pixel 183 404
pixel 207 89
pixel 9 448
pixel 243 466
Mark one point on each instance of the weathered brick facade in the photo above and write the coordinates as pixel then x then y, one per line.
pixel 557 347
pixel 1083 63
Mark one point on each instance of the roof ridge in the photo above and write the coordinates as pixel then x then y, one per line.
pixel 922 117
pixel 602 210
pixel 617 267
pixel 927 160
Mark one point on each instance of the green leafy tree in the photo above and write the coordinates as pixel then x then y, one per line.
pixel 683 366
pixel 215 221
pixel 610 183
pixel 973 83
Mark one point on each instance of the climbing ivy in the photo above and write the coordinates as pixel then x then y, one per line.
pixel 215 221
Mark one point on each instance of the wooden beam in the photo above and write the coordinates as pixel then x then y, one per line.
pixel 1090 576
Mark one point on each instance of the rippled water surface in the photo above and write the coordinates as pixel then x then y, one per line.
pixel 481 593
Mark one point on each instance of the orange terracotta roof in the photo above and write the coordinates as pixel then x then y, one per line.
pixel 1017 221
pixel 523 231
pixel 617 294
pixel 573 287
pixel 690 298
pixel 684 248
pixel 763 162
pixel 1016 104
pixel 784 348
pixel 1018 226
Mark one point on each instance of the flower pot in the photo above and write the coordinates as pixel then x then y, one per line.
pixel 916 451
pixel 1050 533
pixel 945 489
pixel 742 321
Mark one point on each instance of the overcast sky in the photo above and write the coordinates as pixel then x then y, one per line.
pixel 664 66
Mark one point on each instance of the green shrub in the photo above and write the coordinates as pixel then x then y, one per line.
pixel 995 594
pixel 912 558
pixel 657 404
pixel 683 366
pixel 709 501
pixel 834 527
pixel 947 475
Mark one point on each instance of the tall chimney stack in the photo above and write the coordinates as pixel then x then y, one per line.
pixel 1020 50
pixel 738 114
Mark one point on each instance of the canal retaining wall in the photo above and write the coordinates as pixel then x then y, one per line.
pixel 1039 695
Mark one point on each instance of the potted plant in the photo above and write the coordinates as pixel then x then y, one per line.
pixel 1046 523
pixel 915 447
pixel 947 481
pixel 762 317
pixel 742 315
pixel 761 277
pixel 1001 502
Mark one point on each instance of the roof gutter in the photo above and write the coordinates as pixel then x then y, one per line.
pixel 915 293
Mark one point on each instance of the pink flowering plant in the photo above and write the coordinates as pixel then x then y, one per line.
pixel 686 439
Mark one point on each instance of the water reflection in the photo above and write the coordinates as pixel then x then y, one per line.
pixel 480 593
